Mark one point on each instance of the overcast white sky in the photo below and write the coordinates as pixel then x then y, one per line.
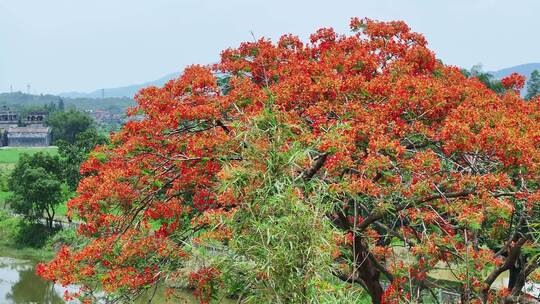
pixel 83 45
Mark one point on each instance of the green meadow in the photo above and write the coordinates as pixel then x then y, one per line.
pixel 11 155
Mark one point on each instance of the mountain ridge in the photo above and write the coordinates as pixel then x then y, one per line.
pixel 524 69
pixel 128 91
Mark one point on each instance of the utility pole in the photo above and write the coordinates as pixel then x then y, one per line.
pixel 10 89
pixel 102 93
pixel 28 89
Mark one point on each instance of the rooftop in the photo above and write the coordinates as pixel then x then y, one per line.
pixel 29 130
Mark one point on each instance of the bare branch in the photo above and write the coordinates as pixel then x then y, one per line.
pixel 316 167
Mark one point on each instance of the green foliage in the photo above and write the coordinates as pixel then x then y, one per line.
pixel 66 237
pixel 3 197
pixel 11 155
pixel 73 155
pixel 486 78
pixel 4 176
pixel 61 105
pixel 336 291
pixel 33 235
pixel 49 108
pixel 21 239
pixel 66 125
pixel 15 232
pixel 224 84
pixel 36 183
pixel 19 100
pixel 279 238
pixel 533 85
pixel 8 225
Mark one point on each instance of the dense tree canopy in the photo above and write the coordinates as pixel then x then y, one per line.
pixel 357 157
pixel 74 154
pixel 486 78
pixel 67 124
pixel 36 185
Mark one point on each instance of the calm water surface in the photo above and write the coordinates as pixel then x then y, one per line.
pixel 19 284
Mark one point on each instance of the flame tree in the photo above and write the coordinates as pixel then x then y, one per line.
pixel 367 157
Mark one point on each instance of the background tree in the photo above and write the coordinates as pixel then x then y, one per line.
pixel 533 85
pixel 407 163
pixel 486 78
pixel 51 107
pixel 25 110
pixel 61 106
pixel 36 183
pixel 73 155
pixel 67 124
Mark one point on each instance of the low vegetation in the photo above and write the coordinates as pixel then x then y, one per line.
pixel 21 239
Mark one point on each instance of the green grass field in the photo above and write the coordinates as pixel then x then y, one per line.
pixel 11 155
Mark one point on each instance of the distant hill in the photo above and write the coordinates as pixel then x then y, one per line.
pixel 523 69
pixel 121 92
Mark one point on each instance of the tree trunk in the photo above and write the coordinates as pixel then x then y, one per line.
pixel 465 294
pixel 514 270
pixel 50 219
pixel 517 296
pixel 367 271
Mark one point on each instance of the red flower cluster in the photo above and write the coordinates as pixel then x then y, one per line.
pixel 204 282
pixel 513 82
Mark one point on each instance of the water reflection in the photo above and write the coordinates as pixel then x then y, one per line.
pixel 19 284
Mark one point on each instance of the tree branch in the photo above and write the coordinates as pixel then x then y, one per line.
pixel 378 214
pixel 513 254
pixel 319 163
pixel 224 127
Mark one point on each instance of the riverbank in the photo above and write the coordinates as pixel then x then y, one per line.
pixel 20 239
pixel 26 253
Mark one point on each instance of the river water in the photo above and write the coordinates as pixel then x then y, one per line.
pixel 19 284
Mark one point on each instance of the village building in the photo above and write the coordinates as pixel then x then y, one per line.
pixel 28 132
pixel 28 136
pixel 8 118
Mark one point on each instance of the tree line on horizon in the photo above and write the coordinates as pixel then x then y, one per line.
pixel 20 100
